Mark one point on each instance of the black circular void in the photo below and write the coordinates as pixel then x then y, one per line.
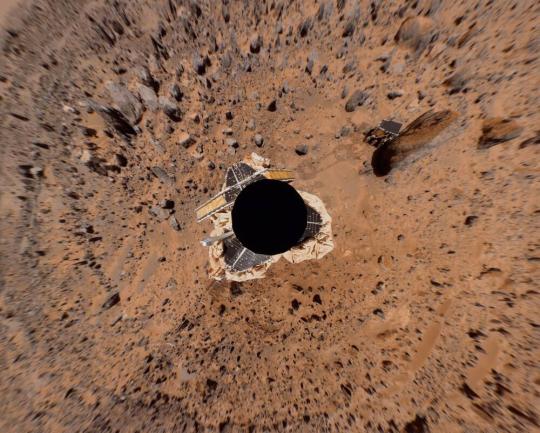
pixel 269 217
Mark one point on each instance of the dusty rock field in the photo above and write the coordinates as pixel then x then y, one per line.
pixel 118 118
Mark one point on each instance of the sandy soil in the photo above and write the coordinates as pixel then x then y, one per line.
pixel 6 6
pixel 424 318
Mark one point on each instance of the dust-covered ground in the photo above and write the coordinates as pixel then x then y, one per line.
pixel 119 118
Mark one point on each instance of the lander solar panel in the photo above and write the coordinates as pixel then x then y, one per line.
pixel 237 257
pixel 238 176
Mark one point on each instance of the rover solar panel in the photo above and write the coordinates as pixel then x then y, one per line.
pixel 314 223
pixel 385 132
pixel 238 258
pixel 238 176
pixel 391 127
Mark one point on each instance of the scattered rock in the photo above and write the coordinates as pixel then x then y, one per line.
pixel 416 33
pixel 36 172
pixel 498 130
pixel 121 160
pixel 200 64
pixel 530 141
pixel 272 106
pixel 231 142
pixel 115 119
pixel 176 93
pixel 309 65
pixel 148 97
pixel 160 213
pixel 185 140
pixel 258 139
pixel 170 109
pixel 301 149
pixel 111 301
pixel 194 117
pixel 162 175
pixel 125 102
pixel 147 79
pixel 456 82
pixel 255 43
pixel 357 98
pixel 418 425
pixel 470 220
pixel 304 28
pixel 349 28
pixel 174 223
pixel 166 204
pixel 395 94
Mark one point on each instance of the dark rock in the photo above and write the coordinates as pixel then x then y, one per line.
pixel 498 130
pixel 162 175
pixel 160 213
pixel 119 70
pixel 349 28
pixel 470 220
pixel 147 79
pixel 25 170
pixel 167 204
pixel 125 102
pixel 88 132
pixel 456 82
pixel 258 139
pixel 378 312
pixel 176 93
pixel 357 98
pixel 304 28
pixel 301 149
pixel 235 289
pixel 309 66
pixel 115 119
pixel 231 142
pixel 148 97
pixel 416 33
pixel 111 301
pixel 255 43
pixel 170 109
pixel 272 106
pixel 226 60
pixel 418 425
pixel 173 222
pixel 530 141
pixel 200 64
pixel 394 94
pixel 121 160
pixel 349 67
pixel 185 140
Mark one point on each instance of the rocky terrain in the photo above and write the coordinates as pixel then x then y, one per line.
pixel 120 117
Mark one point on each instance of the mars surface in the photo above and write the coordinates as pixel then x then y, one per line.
pixel 120 118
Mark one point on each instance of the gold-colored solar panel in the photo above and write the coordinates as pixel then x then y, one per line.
pixel 210 207
pixel 279 174
pixel 238 177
